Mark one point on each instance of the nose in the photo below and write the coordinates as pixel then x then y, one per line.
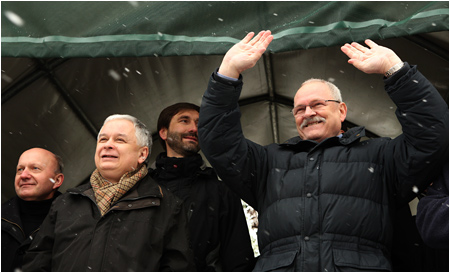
pixel 108 144
pixel 309 111
pixel 25 174
pixel 193 128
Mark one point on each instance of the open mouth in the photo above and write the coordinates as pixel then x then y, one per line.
pixel 312 123
pixel 109 156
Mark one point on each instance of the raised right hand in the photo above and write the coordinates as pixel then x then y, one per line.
pixel 245 54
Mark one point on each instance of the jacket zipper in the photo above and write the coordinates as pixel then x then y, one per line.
pixel 17 225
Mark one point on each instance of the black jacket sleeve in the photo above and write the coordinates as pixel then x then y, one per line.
pixel 415 157
pixel 239 162
pixel 432 213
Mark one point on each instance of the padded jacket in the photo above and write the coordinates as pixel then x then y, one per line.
pixel 327 206
pixel 146 230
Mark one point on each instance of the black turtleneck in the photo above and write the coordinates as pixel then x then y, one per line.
pixel 32 214
pixel 177 174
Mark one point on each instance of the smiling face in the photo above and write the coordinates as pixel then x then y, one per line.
pixel 319 124
pixel 36 177
pixel 182 136
pixel 117 150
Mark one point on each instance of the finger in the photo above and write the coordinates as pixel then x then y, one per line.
pixel 257 38
pixel 265 40
pixel 359 47
pixel 248 37
pixel 350 51
pixel 370 43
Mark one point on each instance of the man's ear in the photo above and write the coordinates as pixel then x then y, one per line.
pixel 163 133
pixel 58 180
pixel 343 111
pixel 143 154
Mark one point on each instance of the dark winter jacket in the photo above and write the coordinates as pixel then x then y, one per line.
pixel 15 238
pixel 146 230
pixel 326 206
pixel 432 213
pixel 218 228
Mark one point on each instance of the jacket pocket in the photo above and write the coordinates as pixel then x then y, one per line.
pixel 360 260
pixel 282 261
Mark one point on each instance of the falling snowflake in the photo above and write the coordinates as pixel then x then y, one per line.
pixel 14 18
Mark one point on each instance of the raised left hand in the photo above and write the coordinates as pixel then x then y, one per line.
pixel 375 59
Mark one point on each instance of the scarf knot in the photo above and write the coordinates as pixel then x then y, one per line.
pixel 107 193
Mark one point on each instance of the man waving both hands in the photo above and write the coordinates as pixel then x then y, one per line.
pixel 325 197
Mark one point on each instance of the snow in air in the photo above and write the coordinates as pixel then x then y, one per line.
pixel 6 78
pixel 113 74
pixel 134 3
pixel 14 18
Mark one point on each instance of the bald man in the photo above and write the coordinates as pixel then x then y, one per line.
pixel 38 177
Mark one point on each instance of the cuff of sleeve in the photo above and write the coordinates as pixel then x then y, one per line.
pixel 226 80
pixel 397 75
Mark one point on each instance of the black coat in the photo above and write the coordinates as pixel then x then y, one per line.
pixel 218 228
pixel 327 206
pixel 146 230
pixel 432 213
pixel 15 241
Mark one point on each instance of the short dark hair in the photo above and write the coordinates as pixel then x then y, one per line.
pixel 169 112
pixel 59 164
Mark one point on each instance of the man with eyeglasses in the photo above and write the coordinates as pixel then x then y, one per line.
pixel 325 198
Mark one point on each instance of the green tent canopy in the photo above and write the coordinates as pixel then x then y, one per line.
pixel 66 66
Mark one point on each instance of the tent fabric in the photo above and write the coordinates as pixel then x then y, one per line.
pixel 56 91
pixel 133 28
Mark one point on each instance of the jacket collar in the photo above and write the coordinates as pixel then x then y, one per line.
pixel 146 187
pixel 11 209
pixel 352 135
pixel 172 167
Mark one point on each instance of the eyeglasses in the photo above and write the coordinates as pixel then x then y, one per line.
pixel 316 105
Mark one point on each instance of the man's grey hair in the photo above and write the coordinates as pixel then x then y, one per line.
pixel 143 136
pixel 335 92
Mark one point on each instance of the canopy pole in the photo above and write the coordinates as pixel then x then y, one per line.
pixel 71 102
pixel 273 107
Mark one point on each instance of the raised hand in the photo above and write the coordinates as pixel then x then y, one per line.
pixel 375 59
pixel 245 54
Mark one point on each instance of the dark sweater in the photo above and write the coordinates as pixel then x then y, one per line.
pixel 20 222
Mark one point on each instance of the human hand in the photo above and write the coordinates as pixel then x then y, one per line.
pixel 245 54
pixel 376 59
